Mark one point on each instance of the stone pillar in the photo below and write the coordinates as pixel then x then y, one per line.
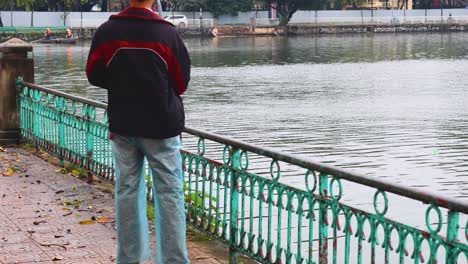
pixel 14 62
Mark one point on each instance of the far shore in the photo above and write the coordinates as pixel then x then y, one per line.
pixel 249 30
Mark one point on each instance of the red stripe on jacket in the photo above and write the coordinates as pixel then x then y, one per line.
pixel 105 51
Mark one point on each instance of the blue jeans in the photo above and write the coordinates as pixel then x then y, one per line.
pixel 165 162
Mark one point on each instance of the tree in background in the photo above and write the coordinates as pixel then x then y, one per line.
pixel 24 5
pixel 222 7
pixel 187 5
pixel 53 5
pixel 287 8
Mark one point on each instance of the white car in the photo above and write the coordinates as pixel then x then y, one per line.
pixel 177 20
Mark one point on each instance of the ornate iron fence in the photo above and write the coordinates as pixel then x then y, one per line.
pixel 237 193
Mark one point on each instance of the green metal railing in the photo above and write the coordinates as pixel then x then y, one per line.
pixel 237 193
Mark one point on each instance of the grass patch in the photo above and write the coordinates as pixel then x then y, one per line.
pixel 72 202
pixel 150 212
pixel 29 147
pixel 74 169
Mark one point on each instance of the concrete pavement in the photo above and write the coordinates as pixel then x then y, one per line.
pixel 47 216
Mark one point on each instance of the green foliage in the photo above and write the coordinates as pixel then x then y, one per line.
pixel 28 146
pixel 71 168
pixel 48 5
pixel 150 212
pixel 26 4
pixel 222 7
pixel 195 201
pixel 191 5
pixel 17 4
pixel 72 203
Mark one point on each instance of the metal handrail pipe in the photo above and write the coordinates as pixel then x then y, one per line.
pixel 382 185
pixel 65 95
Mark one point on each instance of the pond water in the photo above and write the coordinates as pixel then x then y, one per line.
pixel 390 106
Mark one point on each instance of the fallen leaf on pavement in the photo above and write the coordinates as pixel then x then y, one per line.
pixel 87 222
pixel 67 214
pixel 103 219
pixel 39 222
pixel 58 257
pixel 8 172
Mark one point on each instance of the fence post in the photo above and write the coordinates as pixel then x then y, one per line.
pixel 452 235
pixel 234 204
pixel 323 220
pixel 14 62
pixel 253 23
pixel 201 19
pixel 362 17
pixel 90 117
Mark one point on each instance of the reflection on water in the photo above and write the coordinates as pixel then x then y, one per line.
pixel 386 105
pixel 69 56
pixel 327 49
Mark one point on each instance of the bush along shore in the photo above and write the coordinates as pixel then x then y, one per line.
pixel 384 28
pixel 28 36
pixel 242 30
pixel 313 29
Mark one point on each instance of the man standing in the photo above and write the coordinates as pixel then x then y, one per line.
pixel 143 63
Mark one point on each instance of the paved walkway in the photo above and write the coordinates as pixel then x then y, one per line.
pixel 50 217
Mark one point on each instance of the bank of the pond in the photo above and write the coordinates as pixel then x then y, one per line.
pixel 380 28
pixel 85 33
pixel 312 29
pixel 27 36
pixel 88 33
pixel 239 30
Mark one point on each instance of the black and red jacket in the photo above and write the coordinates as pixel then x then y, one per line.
pixel 143 63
